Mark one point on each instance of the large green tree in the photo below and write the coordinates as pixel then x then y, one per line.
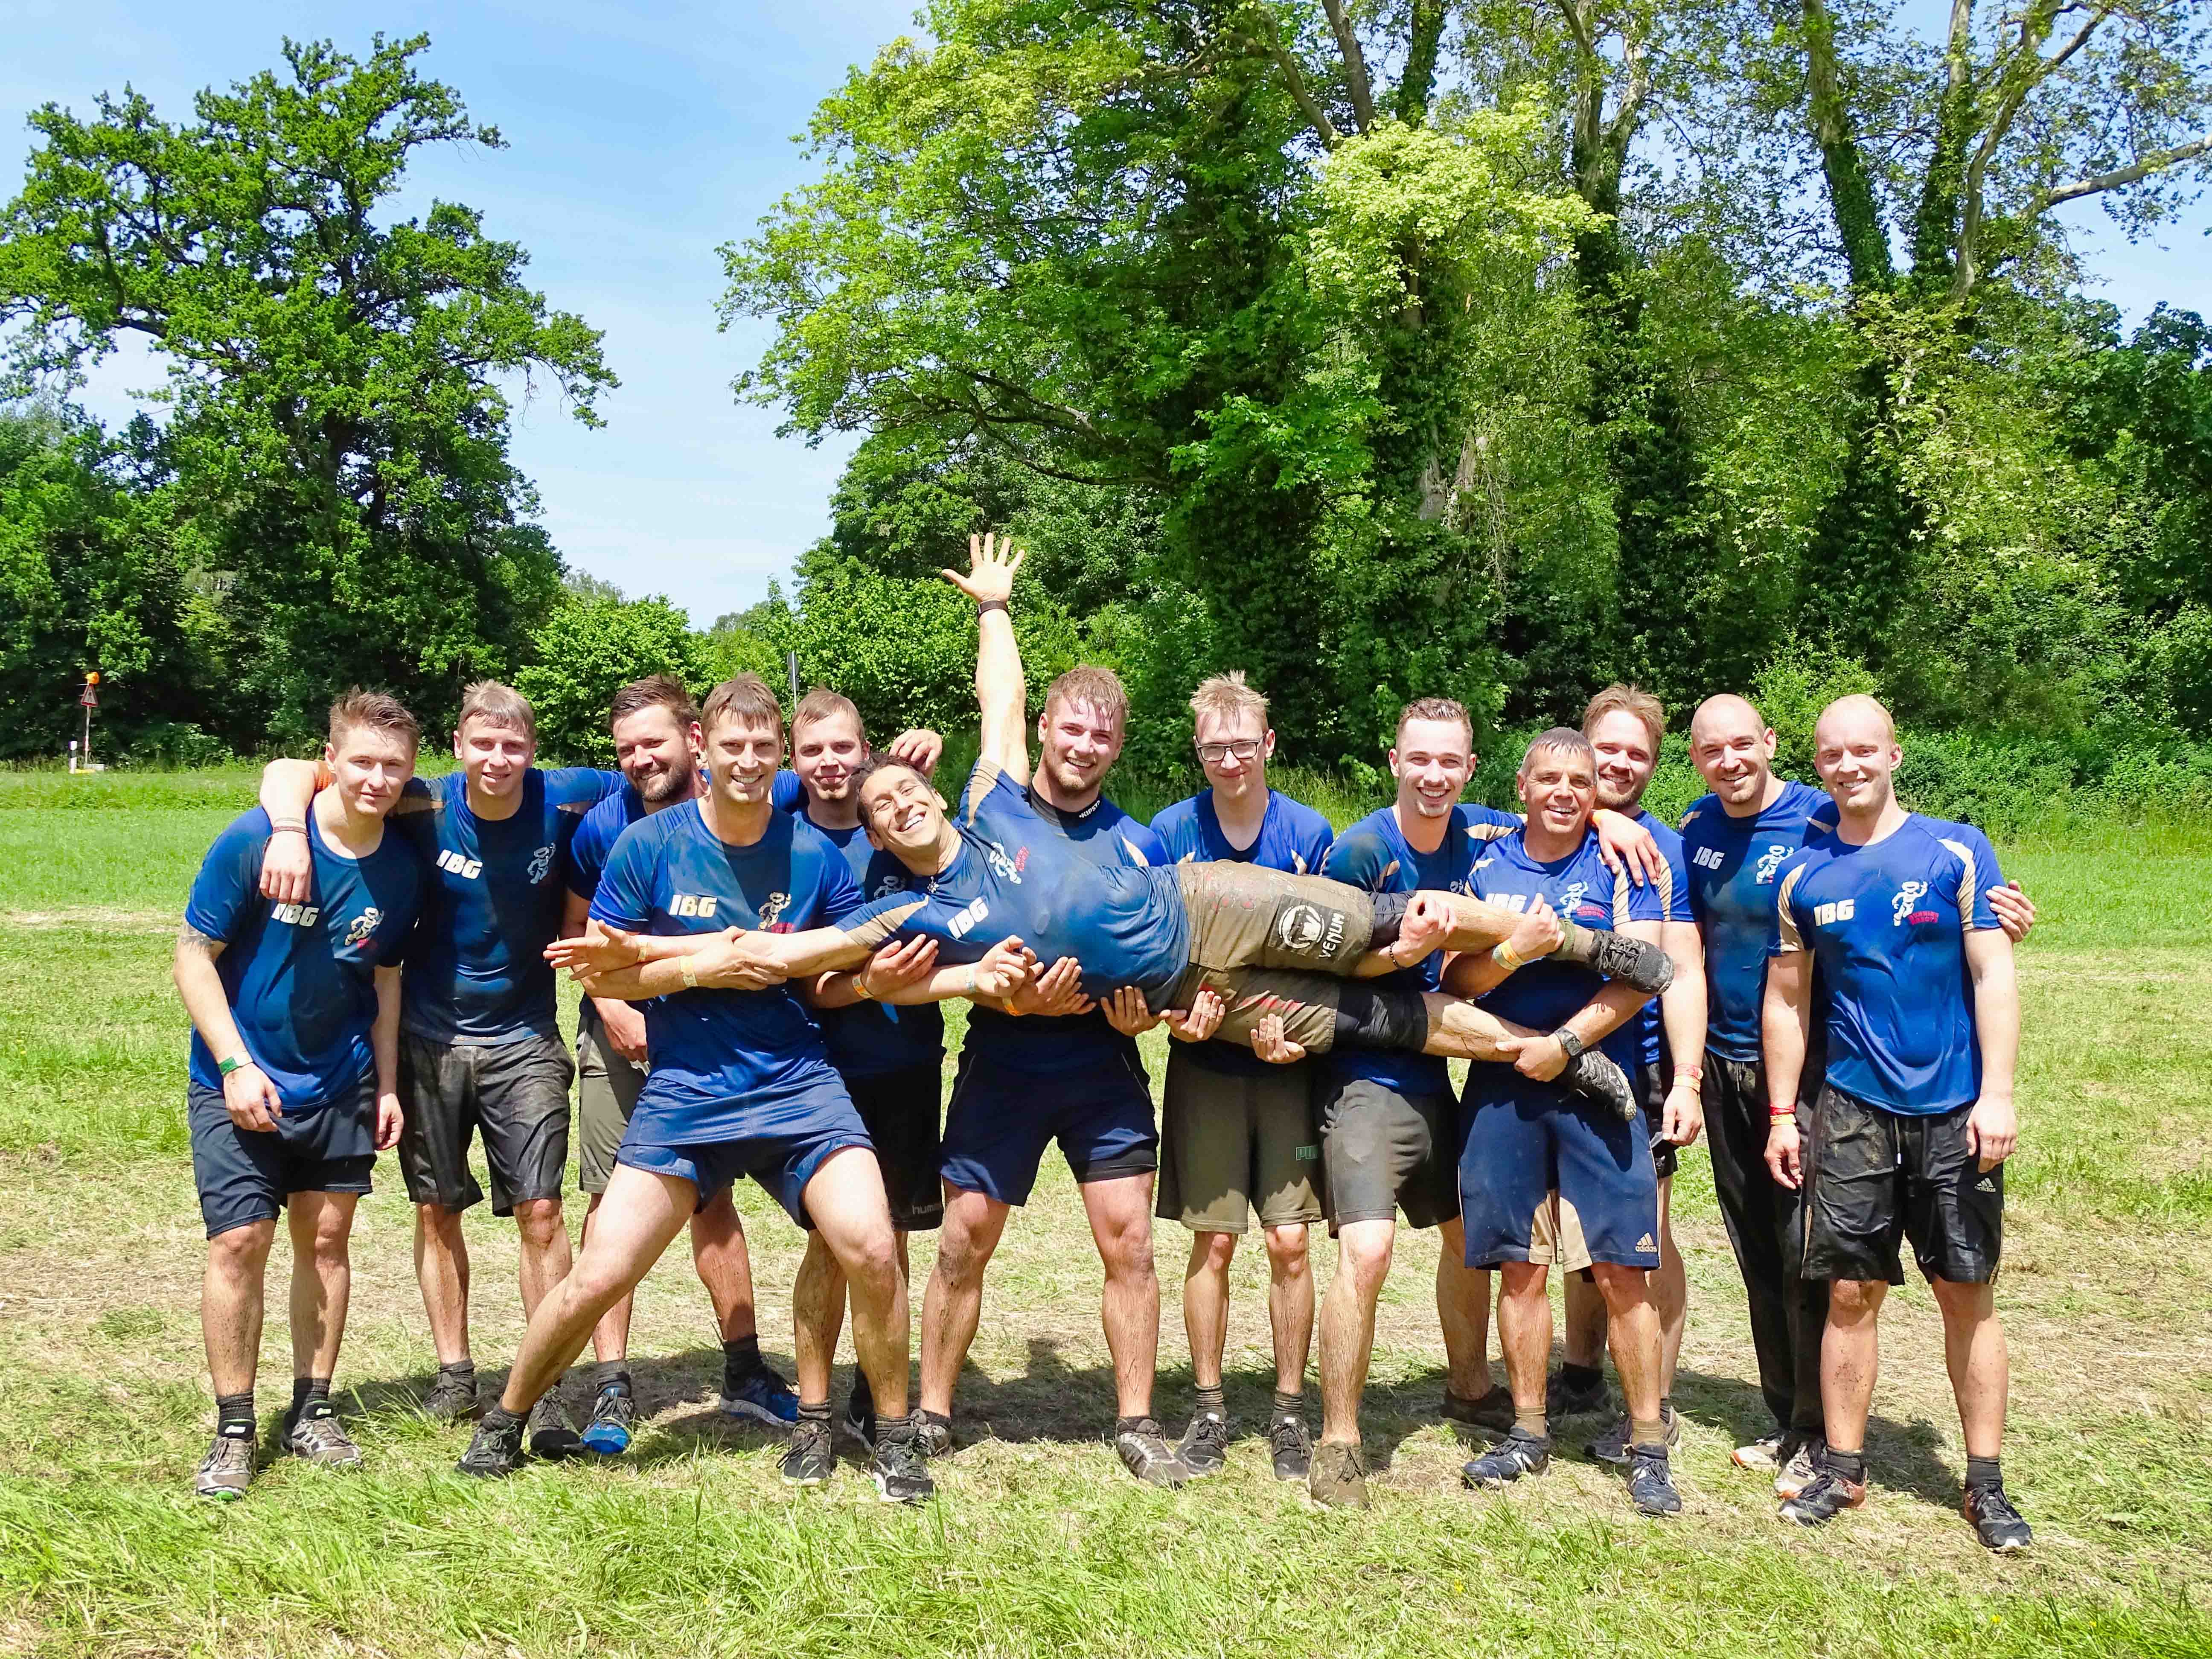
pixel 337 373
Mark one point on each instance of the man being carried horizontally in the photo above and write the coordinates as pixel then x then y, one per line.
pixel 1914 1117
pixel 1544 1177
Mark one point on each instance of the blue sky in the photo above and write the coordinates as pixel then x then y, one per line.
pixel 639 138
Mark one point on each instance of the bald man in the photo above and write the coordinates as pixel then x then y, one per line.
pixel 1734 842
pixel 1914 1118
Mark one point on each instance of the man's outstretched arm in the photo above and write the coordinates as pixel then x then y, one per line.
pixel 635 967
pixel 1000 693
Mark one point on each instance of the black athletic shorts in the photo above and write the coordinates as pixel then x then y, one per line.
pixel 1652 1081
pixel 901 1110
pixel 245 1175
pixel 516 1093
pixel 1382 1152
pixel 1875 1176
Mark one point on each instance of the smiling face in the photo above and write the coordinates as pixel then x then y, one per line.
pixel 657 753
pixel 742 754
pixel 1559 788
pixel 1855 751
pixel 1077 745
pixel 496 757
pixel 1626 758
pixel 1432 762
pixel 1233 750
pixel 1733 751
pixel 903 814
pixel 370 766
pixel 824 753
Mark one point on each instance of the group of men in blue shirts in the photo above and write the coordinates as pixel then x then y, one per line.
pixel 764 951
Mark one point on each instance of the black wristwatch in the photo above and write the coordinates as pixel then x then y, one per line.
pixel 1570 1044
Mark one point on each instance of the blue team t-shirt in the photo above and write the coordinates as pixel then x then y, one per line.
pixel 596 836
pixel 1292 837
pixel 1674 886
pixel 726 1065
pixel 1545 993
pixel 1735 868
pixel 1094 886
pixel 1888 924
pixel 300 978
pixel 475 969
pixel 869 1039
pixel 1374 853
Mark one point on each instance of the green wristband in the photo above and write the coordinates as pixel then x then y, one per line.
pixel 227 1067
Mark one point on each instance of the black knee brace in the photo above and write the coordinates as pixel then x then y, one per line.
pixel 1389 917
pixel 1370 1018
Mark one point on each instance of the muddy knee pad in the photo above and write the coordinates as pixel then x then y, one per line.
pixel 1368 1017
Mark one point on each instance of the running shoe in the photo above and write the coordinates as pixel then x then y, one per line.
pixel 900 1473
pixel 451 1399
pixel 495 1450
pixel 812 1458
pixel 1145 1452
pixel 1521 1454
pixel 1339 1479
pixel 1204 1448
pixel 1652 1483
pixel 933 1435
pixel 1289 1443
pixel 1999 1526
pixel 1565 1398
pixel 1592 1073
pixel 1616 956
pixel 859 1418
pixel 1612 1446
pixel 764 1397
pixel 1491 1414
pixel 316 1435
pixel 551 1434
pixel 228 1469
pixel 614 1418
pixel 1769 1451
pixel 1799 1467
pixel 1828 1496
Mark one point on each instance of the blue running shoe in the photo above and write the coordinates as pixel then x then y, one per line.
pixel 614 1414
pixel 764 1397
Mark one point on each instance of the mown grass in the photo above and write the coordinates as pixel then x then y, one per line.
pixel 1038 1542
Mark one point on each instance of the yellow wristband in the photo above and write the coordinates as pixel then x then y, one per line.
pixel 691 972
pixel 1506 956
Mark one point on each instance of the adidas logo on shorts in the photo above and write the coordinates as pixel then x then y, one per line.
pixel 1647 1242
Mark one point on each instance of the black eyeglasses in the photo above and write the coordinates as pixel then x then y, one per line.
pixel 1245 749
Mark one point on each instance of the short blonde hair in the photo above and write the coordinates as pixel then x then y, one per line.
pixel 379 712
pixel 1093 687
pixel 1435 708
pixel 820 704
pixel 496 704
pixel 743 697
pixel 1226 698
pixel 1628 699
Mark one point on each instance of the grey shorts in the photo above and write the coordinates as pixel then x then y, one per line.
pixel 1235 1142
pixel 607 1093
pixel 515 1093
pixel 1383 1151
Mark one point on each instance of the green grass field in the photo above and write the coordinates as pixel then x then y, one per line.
pixel 1037 1542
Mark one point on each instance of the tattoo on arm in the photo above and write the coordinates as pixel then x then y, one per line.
pixel 190 938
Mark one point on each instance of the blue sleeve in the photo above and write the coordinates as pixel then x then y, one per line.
pixel 1975 910
pixel 624 896
pixel 1315 842
pixel 1679 906
pixel 1787 933
pixel 1647 903
pixel 396 940
pixel 1169 828
pixel 1358 858
pixel 580 785
pixel 786 793
pixel 1149 847
pixel 837 895
pixel 587 854
pixel 229 880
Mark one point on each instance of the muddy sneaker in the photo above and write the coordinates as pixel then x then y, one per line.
pixel 1999 1526
pixel 614 1418
pixel 316 1435
pixel 858 1421
pixel 1652 1483
pixel 1612 1446
pixel 812 1458
pixel 899 1472
pixel 1801 1461
pixel 1521 1454
pixel 1564 1397
pixel 764 1397
pixel 551 1434
pixel 1145 1452
pixel 1339 1479
pixel 933 1435
pixel 451 1399
pixel 1291 1446
pixel 1490 1415
pixel 1591 1072
pixel 226 1471
pixel 1616 956
pixel 1828 1496
pixel 495 1449
pixel 1204 1448
pixel 1769 1451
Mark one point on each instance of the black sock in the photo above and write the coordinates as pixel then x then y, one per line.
pixel 1212 1400
pixel 309 1393
pixel 740 1359
pixel 1581 1376
pixel 610 1374
pixel 1290 1404
pixel 1846 1464
pixel 461 1370
pixel 922 1414
pixel 496 1416
pixel 1981 1472
pixel 1666 1407
pixel 1132 1425
pixel 234 1415
pixel 894 1428
pixel 814 1413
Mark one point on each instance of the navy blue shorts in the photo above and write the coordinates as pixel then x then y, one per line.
pixel 1001 1117
pixel 783 1162
pixel 1546 1175
pixel 245 1175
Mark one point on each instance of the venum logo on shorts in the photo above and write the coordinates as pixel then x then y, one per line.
pixel 1900 907
pixel 963 920
pixel 1303 926
pixel 363 926
pixel 1769 861
pixel 693 904
pixel 295 915
pixel 541 864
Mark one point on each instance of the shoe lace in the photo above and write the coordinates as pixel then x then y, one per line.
pixel 1991 1503
pixel 1287 1434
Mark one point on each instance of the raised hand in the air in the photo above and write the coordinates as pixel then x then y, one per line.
pixel 992 562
